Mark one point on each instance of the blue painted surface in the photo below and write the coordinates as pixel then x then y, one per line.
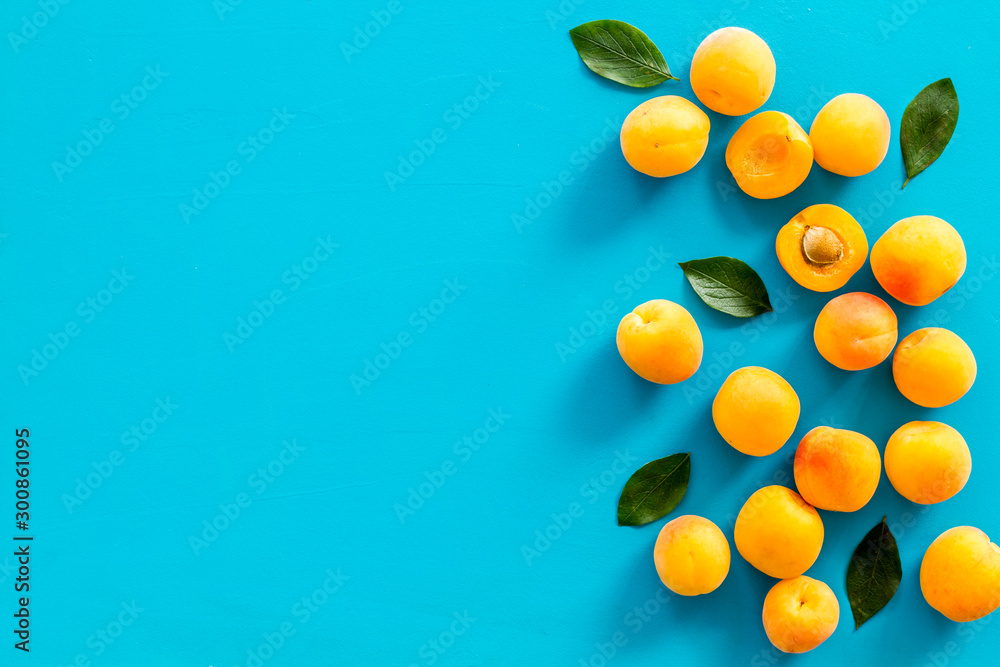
pixel 279 142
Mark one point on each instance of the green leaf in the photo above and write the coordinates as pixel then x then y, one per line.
pixel 620 52
pixel 654 490
pixel 873 574
pixel 729 285
pixel 928 123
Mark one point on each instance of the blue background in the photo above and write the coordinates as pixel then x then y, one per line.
pixel 129 536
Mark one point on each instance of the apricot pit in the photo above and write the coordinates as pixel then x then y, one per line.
pixel 822 247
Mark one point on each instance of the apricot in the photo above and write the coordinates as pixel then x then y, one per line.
pixel 850 135
pixel 836 469
pixel 927 462
pixel 755 411
pixel 732 71
pixel 960 574
pixel 933 367
pixel 822 247
pixel 665 136
pixel 770 155
pixel 778 532
pixel 691 555
pixel 660 341
pixel 800 614
pixel 855 331
pixel 918 259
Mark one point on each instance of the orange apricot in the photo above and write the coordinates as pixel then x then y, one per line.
pixel 855 331
pixel 927 462
pixel 850 135
pixel 665 136
pixel 960 574
pixel 933 367
pixel 836 469
pixel 755 411
pixel 800 614
pixel 732 71
pixel 778 532
pixel 660 341
pixel 918 259
pixel 691 555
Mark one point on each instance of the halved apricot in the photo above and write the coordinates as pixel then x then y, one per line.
pixel 770 155
pixel 822 247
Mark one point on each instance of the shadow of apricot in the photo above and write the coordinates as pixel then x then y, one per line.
pixel 721 126
pixel 728 462
pixel 605 394
pixel 658 618
pixel 729 202
pixel 609 195
pixel 929 634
